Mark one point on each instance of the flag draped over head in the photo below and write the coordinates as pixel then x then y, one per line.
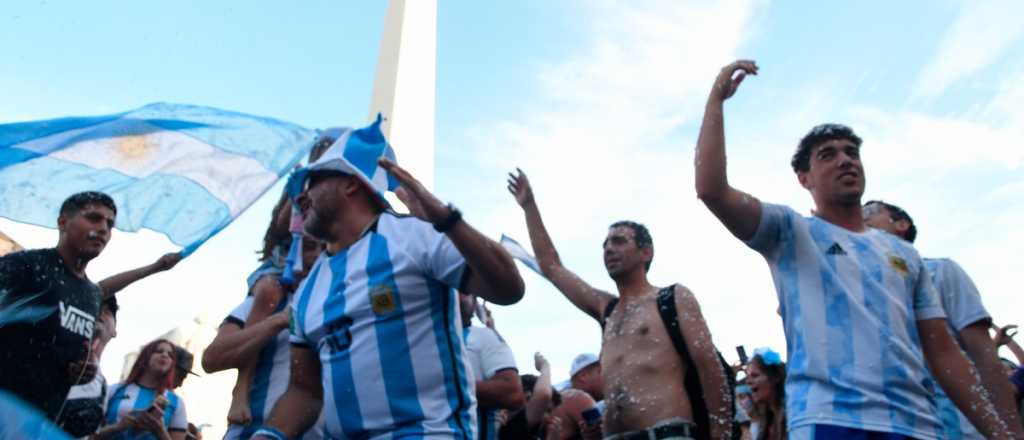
pixel 354 152
pixel 182 170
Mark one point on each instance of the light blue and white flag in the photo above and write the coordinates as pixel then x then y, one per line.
pixel 518 252
pixel 182 170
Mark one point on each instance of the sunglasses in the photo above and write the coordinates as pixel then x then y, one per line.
pixel 316 177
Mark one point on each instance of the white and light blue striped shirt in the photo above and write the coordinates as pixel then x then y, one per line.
pixel 962 302
pixel 123 399
pixel 849 303
pixel 384 319
pixel 270 378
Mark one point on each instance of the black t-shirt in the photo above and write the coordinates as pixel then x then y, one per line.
pixel 53 313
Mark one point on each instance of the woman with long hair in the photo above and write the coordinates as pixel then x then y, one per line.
pixel 143 406
pixel 766 377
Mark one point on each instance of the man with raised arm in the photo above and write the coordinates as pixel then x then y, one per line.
pixel 376 335
pixel 968 320
pixel 643 373
pixel 861 317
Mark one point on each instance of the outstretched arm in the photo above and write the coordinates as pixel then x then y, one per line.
pixel 739 212
pixel 958 378
pixel 705 359
pixel 585 297
pixel 541 398
pixel 493 274
pixel 115 283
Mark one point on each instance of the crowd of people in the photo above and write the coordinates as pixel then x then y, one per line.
pixel 359 322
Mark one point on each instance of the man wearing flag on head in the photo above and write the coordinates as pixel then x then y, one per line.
pixel 376 335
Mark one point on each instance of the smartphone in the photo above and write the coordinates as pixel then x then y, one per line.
pixel 592 416
pixel 742 352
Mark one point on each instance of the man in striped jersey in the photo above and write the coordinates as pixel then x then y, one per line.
pixel 967 319
pixel 862 319
pixel 376 335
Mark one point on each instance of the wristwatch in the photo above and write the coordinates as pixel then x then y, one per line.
pixel 449 222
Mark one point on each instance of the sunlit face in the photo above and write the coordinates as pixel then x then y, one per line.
pixel 621 254
pixel 762 391
pixel 162 360
pixel 836 173
pixel 87 231
pixel 322 203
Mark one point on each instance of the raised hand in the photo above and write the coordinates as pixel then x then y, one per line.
pixel 540 363
pixel 167 261
pixel 1004 335
pixel 519 186
pixel 728 81
pixel 421 203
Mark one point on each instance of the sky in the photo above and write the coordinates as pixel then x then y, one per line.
pixel 599 102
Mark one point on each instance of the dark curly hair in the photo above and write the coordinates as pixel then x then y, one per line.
pixel 801 160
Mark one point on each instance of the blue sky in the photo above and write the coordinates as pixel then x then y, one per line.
pixel 599 102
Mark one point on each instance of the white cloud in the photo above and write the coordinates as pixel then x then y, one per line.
pixel 982 31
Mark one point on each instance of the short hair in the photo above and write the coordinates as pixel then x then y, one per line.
pixel 896 214
pixel 801 160
pixel 110 303
pixel 641 236
pixel 77 202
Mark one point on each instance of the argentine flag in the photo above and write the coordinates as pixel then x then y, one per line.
pixel 520 253
pixel 182 170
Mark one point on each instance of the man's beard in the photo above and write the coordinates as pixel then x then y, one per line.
pixel 317 226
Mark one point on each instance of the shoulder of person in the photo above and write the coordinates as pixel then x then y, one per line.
pixel 682 293
pixel 29 256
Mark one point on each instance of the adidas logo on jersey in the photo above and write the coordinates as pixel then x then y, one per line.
pixel 75 320
pixel 835 249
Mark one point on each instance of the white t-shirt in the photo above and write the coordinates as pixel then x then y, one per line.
pixel 850 303
pixel 962 302
pixel 487 354
pixel 383 317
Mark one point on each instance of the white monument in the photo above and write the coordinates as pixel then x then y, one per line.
pixel 404 86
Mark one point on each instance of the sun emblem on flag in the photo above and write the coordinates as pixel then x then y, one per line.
pixel 133 146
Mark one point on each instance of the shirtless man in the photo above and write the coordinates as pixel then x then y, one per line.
pixel 643 373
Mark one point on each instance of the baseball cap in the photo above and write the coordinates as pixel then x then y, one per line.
pixel 183 360
pixel 582 361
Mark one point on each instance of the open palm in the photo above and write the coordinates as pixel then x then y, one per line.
pixel 519 187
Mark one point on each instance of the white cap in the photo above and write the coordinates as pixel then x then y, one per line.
pixel 582 361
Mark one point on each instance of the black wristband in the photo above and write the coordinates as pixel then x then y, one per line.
pixel 448 223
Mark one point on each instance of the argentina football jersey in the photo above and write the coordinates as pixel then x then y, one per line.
pixel 383 318
pixel 849 303
pixel 270 377
pixel 124 398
